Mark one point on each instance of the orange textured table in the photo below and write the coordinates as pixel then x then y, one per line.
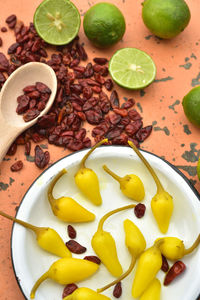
pixel 160 104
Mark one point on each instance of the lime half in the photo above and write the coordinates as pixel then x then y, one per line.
pixel 198 168
pixel 57 22
pixel 132 68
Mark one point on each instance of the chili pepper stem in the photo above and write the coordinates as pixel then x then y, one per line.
pixel 194 246
pixel 37 284
pixel 52 184
pixel 106 216
pixel 158 243
pixel 133 261
pixel 82 163
pixel 25 224
pixel 115 176
pixel 151 170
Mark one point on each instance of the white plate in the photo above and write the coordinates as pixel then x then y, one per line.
pixel 30 262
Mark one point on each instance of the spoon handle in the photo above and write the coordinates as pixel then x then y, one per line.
pixel 7 137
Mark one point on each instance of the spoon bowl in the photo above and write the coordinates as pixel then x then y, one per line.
pixel 12 124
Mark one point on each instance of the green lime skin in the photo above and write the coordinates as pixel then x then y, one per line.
pixel 165 18
pixel 198 169
pixel 191 106
pixel 104 24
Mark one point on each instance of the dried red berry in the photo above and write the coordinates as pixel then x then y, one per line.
pixel 11 18
pixel 69 289
pixel 75 247
pixel 71 232
pixel 117 292
pixel 139 210
pixel 27 148
pixel 177 268
pixel 17 166
pixel 100 60
pixel 4 29
pixel 93 259
pixel 165 265
pixel 12 150
pixel 41 157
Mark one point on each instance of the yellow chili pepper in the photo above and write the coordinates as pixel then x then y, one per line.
pixel 174 249
pixel 149 263
pixel 135 243
pixel 47 238
pixel 66 208
pixel 87 180
pixel 130 185
pixel 105 247
pixel 153 291
pixel 67 270
pixel 162 203
pixel 85 294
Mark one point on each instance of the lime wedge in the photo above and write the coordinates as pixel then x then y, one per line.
pixel 132 68
pixel 198 168
pixel 57 22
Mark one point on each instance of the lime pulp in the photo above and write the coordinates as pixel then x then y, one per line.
pixel 57 22
pixel 132 68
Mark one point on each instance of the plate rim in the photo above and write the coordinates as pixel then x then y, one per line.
pixel 194 190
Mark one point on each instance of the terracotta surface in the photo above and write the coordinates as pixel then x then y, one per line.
pixel 173 137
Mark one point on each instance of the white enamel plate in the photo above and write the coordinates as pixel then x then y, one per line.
pixel 30 262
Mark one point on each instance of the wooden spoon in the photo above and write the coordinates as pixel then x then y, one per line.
pixel 12 124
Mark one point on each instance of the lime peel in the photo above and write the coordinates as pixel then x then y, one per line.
pixel 104 24
pixel 132 68
pixel 198 168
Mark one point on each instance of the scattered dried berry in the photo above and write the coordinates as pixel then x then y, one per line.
pixel 165 265
pixel 177 268
pixel 4 29
pixel 17 166
pixel 75 247
pixel 94 259
pixel 12 150
pixel 139 210
pixel 71 232
pixel 41 157
pixel 117 292
pixel 69 289
pixel 100 60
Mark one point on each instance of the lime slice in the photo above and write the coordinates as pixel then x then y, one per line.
pixel 198 168
pixel 132 68
pixel 57 22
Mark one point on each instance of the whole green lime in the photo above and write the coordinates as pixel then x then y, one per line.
pixel 191 105
pixel 104 24
pixel 165 18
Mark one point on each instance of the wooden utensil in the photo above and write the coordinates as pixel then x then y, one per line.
pixel 12 124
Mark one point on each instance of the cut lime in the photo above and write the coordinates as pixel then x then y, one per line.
pixel 132 68
pixel 198 168
pixel 57 22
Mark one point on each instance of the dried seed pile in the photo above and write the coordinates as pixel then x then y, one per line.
pixel 33 101
pixel 84 95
